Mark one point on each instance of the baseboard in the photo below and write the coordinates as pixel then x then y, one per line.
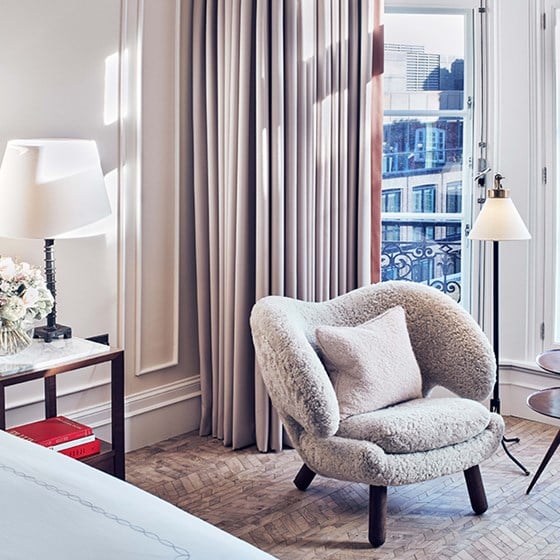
pixel 151 416
pixel 517 382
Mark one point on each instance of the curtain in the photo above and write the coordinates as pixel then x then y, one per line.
pixel 283 139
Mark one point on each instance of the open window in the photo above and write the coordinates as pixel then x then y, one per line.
pixel 427 147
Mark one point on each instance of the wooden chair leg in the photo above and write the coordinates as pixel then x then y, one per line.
pixel 304 477
pixel 475 487
pixel 377 515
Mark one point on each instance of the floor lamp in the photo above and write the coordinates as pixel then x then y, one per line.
pixel 498 221
pixel 52 188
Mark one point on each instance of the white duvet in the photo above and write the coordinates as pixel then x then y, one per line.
pixel 54 507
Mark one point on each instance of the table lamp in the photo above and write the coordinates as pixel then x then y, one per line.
pixel 51 189
pixel 498 221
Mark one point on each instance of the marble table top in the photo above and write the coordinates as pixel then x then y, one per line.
pixel 42 355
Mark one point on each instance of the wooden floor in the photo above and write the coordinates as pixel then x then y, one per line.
pixel 251 495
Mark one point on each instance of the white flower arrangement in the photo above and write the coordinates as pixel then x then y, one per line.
pixel 23 292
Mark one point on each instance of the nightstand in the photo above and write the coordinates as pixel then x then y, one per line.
pixel 47 360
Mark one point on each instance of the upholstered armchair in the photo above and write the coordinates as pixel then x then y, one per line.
pixel 311 357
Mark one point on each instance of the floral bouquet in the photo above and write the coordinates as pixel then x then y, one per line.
pixel 24 297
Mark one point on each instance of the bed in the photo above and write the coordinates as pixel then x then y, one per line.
pixel 55 507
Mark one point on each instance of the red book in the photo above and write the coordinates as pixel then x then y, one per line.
pixel 51 431
pixel 83 450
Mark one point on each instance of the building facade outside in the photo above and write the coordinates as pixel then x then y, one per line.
pixel 423 154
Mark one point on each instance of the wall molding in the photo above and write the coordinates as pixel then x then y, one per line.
pixel 150 416
pixel 173 358
pixel 140 31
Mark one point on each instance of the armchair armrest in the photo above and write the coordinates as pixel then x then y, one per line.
pixel 451 349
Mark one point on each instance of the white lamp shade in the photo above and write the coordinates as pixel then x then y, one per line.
pixel 499 220
pixel 51 188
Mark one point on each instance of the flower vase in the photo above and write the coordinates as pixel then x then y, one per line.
pixel 15 336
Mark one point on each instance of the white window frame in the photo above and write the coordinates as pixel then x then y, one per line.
pixel 468 8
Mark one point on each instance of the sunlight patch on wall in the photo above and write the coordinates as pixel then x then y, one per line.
pixel 112 83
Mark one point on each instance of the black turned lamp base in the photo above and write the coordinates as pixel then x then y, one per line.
pixel 48 333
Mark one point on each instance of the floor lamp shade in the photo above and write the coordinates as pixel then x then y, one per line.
pixel 499 219
pixel 50 188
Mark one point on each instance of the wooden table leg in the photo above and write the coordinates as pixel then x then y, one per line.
pixel 553 446
pixel 50 396
pixel 2 408
pixel 117 414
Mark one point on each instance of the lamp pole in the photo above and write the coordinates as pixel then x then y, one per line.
pixel 51 330
pixel 495 400
pixel 497 221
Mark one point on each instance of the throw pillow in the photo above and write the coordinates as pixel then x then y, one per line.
pixel 371 365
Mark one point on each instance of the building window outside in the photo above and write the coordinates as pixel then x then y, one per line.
pixel 430 146
pixel 427 131
pixel 453 197
pixel 391 233
pixel 424 199
pixel 391 200
pixel 423 233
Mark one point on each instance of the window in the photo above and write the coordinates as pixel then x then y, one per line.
pixel 391 200
pixel 453 197
pixel 427 146
pixel 391 232
pixel 424 198
pixel 453 205
pixel 423 233
pixel 430 146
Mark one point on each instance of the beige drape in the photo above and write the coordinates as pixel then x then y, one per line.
pixel 279 153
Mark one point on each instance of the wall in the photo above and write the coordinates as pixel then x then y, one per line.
pixel 71 68
pixel 520 150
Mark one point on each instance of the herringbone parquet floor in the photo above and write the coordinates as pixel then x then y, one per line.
pixel 251 495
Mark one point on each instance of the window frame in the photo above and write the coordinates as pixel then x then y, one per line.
pixel 469 114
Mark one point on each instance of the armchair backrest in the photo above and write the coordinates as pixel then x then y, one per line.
pixel 449 346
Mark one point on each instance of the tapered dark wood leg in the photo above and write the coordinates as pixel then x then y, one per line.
pixel 304 477
pixel 475 487
pixel 553 447
pixel 377 515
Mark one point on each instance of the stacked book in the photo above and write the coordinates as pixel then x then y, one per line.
pixel 60 434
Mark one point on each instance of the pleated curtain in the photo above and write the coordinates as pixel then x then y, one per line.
pixel 283 120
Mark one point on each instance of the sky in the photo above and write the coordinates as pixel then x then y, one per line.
pixel 440 34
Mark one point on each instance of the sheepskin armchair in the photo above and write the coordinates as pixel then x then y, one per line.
pixel 407 442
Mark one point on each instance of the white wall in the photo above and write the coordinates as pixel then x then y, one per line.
pixel 520 146
pixel 70 68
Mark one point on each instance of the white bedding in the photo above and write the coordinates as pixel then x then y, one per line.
pixel 54 507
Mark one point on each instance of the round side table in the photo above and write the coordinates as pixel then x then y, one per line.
pixel 547 402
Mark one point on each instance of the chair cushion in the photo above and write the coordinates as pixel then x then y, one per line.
pixel 371 365
pixel 419 425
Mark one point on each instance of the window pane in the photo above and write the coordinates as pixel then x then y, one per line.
pixel 391 200
pixel 424 149
pixel 424 61
pixel 413 146
pixel 454 196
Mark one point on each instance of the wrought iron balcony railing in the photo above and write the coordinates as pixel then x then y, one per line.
pixel 423 250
